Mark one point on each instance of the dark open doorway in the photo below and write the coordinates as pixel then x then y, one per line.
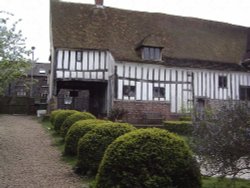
pixel 83 96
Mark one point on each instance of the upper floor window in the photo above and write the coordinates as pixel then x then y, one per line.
pixel 222 82
pixel 79 56
pixel 21 92
pixel 151 53
pixel 42 71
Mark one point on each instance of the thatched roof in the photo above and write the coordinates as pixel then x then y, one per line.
pixel 82 26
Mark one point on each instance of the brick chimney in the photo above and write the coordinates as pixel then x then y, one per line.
pixel 99 3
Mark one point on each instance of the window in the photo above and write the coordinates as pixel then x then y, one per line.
pixel 42 71
pixel 21 92
pixel 244 93
pixel 151 53
pixel 44 95
pixel 159 92
pixel 129 91
pixel 67 98
pixel 222 82
pixel 79 56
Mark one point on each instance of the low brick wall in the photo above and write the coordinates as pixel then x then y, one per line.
pixel 137 109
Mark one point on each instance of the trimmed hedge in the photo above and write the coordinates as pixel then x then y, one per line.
pixel 53 115
pixel 70 120
pixel 60 118
pixel 92 145
pixel 76 131
pixel 179 127
pixel 148 158
pixel 185 118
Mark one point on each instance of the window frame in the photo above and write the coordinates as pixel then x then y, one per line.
pixel 151 53
pixel 244 95
pixel 129 91
pixel 222 82
pixel 78 56
pixel 158 91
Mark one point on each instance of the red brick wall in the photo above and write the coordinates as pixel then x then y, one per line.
pixel 137 109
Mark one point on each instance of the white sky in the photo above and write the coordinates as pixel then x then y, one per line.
pixel 35 14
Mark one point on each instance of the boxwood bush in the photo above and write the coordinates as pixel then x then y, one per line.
pixel 92 145
pixel 148 158
pixel 70 120
pixel 76 131
pixel 53 115
pixel 60 118
pixel 179 127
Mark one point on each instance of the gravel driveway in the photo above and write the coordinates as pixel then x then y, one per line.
pixel 27 157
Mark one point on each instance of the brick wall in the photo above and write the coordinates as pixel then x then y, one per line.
pixel 137 109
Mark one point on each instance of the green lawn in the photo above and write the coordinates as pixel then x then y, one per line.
pixel 209 182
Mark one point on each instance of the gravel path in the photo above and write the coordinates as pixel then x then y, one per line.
pixel 27 158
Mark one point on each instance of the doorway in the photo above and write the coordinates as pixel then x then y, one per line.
pixel 83 96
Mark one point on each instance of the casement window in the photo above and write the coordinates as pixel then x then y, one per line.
pixel 78 56
pixel 151 53
pixel 159 92
pixel 129 91
pixel 222 82
pixel 245 93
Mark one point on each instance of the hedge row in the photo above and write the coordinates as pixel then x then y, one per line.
pixel 122 156
pixel 148 158
pixel 61 117
pixel 76 131
pixel 70 120
pixel 179 127
pixel 92 145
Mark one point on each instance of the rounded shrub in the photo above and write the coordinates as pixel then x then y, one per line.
pixel 53 115
pixel 92 145
pixel 70 120
pixel 60 118
pixel 76 131
pixel 148 158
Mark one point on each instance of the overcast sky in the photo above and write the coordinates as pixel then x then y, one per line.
pixel 35 14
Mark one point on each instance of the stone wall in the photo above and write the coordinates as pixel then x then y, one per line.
pixel 137 110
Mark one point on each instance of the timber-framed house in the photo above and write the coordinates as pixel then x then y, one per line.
pixel 143 62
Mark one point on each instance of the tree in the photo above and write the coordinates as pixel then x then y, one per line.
pixel 13 53
pixel 222 140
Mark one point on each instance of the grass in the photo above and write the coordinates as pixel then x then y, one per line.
pixel 58 142
pixel 211 182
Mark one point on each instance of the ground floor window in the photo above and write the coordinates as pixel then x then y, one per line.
pixel 159 92
pixel 244 93
pixel 67 98
pixel 129 91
